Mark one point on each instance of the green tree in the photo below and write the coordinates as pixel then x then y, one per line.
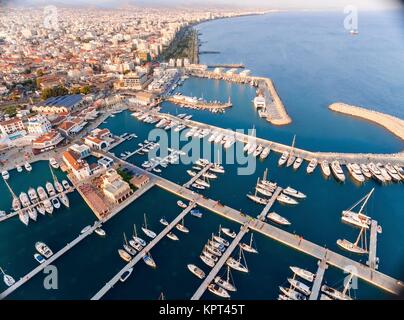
pixel 85 90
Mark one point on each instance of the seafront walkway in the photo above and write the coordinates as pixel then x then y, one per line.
pixel 294 241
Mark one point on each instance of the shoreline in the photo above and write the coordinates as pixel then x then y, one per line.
pixel 391 123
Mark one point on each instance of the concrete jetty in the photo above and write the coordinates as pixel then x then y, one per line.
pixel 315 290
pixel 393 124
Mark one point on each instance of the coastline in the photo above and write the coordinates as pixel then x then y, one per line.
pixel 390 123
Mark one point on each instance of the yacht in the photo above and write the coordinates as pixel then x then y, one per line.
pixel 164 222
pixel 300 286
pixel 16 204
pixel 294 193
pixel 64 199
pixel 135 245
pixel 124 255
pixel 358 219
pixel 259 102
pixel 19 168
pixel 209 262
pixel 282 198
pixel 202 183
pixel 125 275
pixel 273 216
pixel 228 232
pixel 32 213
pixel 50 189
pixel 220 240
pixel 248 247
pixel 181 227
pixel 33 196
pixel 376 173
pixel 24 218
pixel 325 168
pixel 302 273
pixel 335 293
pixel 356 172
pixel 213 250
pixel 53 163
pixel 291 160
pixel 42 193
pixel 282 160
pixel 283 297
pixel 264 190
pixel 217 168
pixel 292 294
pixel 312 166
pixel 392 172
pixel 196 271
pixel 298 162
pixel 148 232
pixel 209 255
pixel 147 258
pixel 247 146
pixel 5 175
pixel 351 247
pixel 55 203
pixel 172 236
pixel 43 249
pixel 219 291
pixel 337 171
pixel 264 154
pixel 48 206
pixel 24 200
pixel 236 265
pixel 213 137
pixel 191 173
pixel 257 199
pixel 252 149
pixel 384 172
pixel 365 171
pixel 258 151
pixel 196 213
pixel 100 232
pixel 8 280
pixel 66 185
pixel 181 204
pixel 209 175
pixel 58 186
pixel 85 229
pixel 27 167
pixel 400 171
pixel 225 284
pixel 136 238
pixel 39 258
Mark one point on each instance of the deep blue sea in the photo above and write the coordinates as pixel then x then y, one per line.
pixel 313 62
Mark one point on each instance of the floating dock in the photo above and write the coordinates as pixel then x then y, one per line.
pixel 315 290
pixel 372 261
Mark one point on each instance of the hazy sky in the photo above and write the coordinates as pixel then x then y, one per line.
pixel 276 4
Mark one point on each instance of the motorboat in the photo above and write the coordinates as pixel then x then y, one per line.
pixel 58 186
pixel 64 199
pixel 312 166
pixel 53 163
pixel 181 227
pixel 42 193
pixel 273 216
pixel 5 175
pixel 32 213
pixel 376 173
pixel 298 162
pixel 300 286
pixel 24 200
pixel 50 189
pixel 337 171
pixel 302 273
pixel 23 216
pixel 291 160
pixel 196 213
pixel 172 236
pixel 19 168
pixel 125 275
pixel 16 204
pixel 66 185
pixel 384 172
pixel 181 204
pixel 392 172
pixel 124 255
pixel 55 203
pixel 100 232
pixel 356 172
pixel 148 232
pixel 27 167
pixel 282 160
pixel 196 271
pixel 325 168
pixel 33 196
pixel 48 206
pixel 209 262
pixel 219 291
pixel 294 193
pixel 264 154
pixel 40 259
pixel 8 280
pixel 282 198
pixel 257 199
pixel 164 222
pixel 365 171
pixel 43 249
pixel 228 232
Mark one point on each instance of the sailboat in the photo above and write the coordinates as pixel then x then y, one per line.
pixel 148 232
pixel 227 284
pixel 291 158
pixel 248 247
pixel 219 291
pixel 257 199
pixel 136 238
pixel 127 247
pixel 358 219
pixel 8 280
pixel 181 227
pixel 147 258
pixel 336 294
pixel 236 264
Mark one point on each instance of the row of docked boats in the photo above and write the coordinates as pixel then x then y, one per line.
pixel 203 175
pixel 172 158
pixel 257 150
pixel 6 175
pixel 42 200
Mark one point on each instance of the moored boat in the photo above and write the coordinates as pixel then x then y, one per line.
pixel 337 171
pixel 325 168
pixel 273 216
pixel 282 198
pixel 196 271
pixel 43 249
pixel 294 193
pixel 302 273
pixel 300 286
pixel 282 160
pixel 312 166
pixel 219 291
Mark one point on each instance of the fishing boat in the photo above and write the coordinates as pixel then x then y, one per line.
pixel 43 249
pixel 164 222
pixel 302 273
pixel 355 171
pixel 53 163
pixel 236 264
pixel 50 189
pixel 282 198
pixel 64 199
pixel 337 171
pixel 40 259
pixel 312 166
pixel 196 213
pixel 248 247
pixel 27 167
pixel 227 284
pixel 136 238
pixel 100 232
pixel 196 271
pixel 334 293
pixel 55 203
pixel 376 173
pixel 147 258
pixel 5 175
pixel 298 162
pixel 172 236
pixel 292 294
pixel 209 262
pixel 365 171
pixel 282 160
pixel 273 216
pixel 228 232
pixel 219 291
pixel 181 204
pixel 148 232
pixel 124 255
pixel 300 286
pixel 325 168
pixel 181 227
pixel 125 275
pixel 294 193
pixel 8 280
pixel 358 219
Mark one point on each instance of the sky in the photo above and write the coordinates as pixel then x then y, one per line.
pixel 270 4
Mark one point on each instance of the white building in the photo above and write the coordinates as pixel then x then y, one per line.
pixel 38 125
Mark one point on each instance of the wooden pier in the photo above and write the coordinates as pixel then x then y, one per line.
pixel 110 284
pixel 294 241
pixel 315 290
pixel 198 175
pixel 270 203
pixel 219 264
pixel 372 260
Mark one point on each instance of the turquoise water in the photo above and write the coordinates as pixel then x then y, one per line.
pixel 88 266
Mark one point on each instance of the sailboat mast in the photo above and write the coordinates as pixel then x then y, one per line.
pixel 11 190
pixel 265 174
pixel 126 240
pixel 366 200
pixel 347 285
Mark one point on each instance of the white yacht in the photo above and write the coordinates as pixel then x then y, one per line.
pixel 50 189
pixel 43 249
pixel 312 166
pixel 32 213
pixel 392 172
pixel 136 238
pixel 27 166
pixel 48 206
pixel 292 294
pixel 294 193
pixel 258 150
pixel 226 283
pixel 298 162
pixel 64 199
pixel 209 262
pixel 5 175
pixel 19 168
pixel 33 196
pixel 291 160
pixel 219 291
pixel 196 271
pixel 300 286
pixel 384 172
pixel 172 236
pixel 125 275
pixel 365 171
pixel 356 172
pixel 257 199
pixel 325 168
pixel 181 227
pixel 228 232
pixel 53 163
pixel 273 216
pixel 282 160
pixel 282 198
pixel 259 102
pixel 66 185
pixel 56 203
pixel 337 171
pixel 8 280
pixel 148 232
pixel 23 216
pixel 264 154
pixel 24 200
pixel 302 273
pixel 181 204
pixel 335 293
pixel 58 186
pixel 376 173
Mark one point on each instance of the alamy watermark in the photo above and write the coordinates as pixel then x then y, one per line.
pixel 51 20
pixel 351 18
